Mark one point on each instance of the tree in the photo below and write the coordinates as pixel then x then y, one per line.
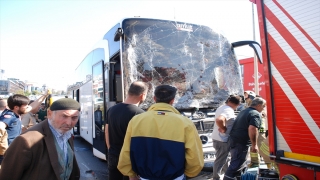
pixel 35 92
pixel 27 93
pixel 59 92
pixel 20 91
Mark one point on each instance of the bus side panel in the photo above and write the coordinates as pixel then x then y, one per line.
pixel 300 173
pixel 292 38
pixel 86 112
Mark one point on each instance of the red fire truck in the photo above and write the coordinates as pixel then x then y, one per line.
pixel 247 73
pixel 290 39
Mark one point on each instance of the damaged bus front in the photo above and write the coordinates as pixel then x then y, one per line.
pixel 199 62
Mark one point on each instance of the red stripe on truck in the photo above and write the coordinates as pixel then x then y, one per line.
pixel 307 95
pixel 291 125
pixel 296 24
pixel 294 44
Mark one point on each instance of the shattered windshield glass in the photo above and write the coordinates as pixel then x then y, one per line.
pixel 199 62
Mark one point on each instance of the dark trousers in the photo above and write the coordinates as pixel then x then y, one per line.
pixel 114 173
pixel 1 158
pixel 237 165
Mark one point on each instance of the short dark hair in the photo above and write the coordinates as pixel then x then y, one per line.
pixel 137 88
pixel 17 100
pixel 235 99
pixel 165 93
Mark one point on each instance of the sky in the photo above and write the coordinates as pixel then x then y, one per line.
pixel 43 41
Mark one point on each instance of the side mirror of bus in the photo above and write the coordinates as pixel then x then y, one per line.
pixel 118 34
pixel 253 44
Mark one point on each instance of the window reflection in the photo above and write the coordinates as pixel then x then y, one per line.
pixel 98 103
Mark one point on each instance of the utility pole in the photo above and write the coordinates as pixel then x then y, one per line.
pixel 255 59
pixel 44 88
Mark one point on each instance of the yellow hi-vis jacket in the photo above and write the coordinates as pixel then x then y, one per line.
pixel 161 144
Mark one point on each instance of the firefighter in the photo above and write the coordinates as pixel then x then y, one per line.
pixel 263 144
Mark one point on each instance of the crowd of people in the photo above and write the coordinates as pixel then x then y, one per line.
pixel 16 117
pixel 157 144
pixel 45 149
pixel 162 144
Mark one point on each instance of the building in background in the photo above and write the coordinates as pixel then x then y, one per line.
pixel 32 86
pixel 11 86
pixel 247 73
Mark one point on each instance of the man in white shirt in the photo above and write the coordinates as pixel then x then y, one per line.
pixel 225 118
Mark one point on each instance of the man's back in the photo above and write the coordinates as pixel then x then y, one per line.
pixel 20 164
pixel 245 118
pixel 42 114
pixel 164 144
pixel 228 113
pixel 118 118
pixel 13 124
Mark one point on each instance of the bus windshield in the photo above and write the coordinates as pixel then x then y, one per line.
pixel 199 62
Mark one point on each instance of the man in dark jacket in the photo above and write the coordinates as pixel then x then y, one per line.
pixel 244 134
pixel 45 151
pixel 117 120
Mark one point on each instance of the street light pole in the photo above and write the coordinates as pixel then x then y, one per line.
pixel 44 88
pixel 255 59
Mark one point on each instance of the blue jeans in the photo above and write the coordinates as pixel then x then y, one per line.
pixel 237 165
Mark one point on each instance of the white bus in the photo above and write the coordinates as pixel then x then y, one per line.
pixel 198 61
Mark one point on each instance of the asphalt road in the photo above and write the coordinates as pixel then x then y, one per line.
pixel 91 167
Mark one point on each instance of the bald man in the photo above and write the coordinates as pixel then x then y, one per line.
pixel 117 120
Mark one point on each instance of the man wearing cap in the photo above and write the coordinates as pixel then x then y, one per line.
pixel 161 143
pixel 45 151
pixel 249 96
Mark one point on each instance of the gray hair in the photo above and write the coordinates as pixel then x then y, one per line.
pixel 257 101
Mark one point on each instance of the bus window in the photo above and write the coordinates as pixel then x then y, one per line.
pixel 97 96
pixel 115 81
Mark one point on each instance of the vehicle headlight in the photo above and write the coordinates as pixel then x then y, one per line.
pixel 204 139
